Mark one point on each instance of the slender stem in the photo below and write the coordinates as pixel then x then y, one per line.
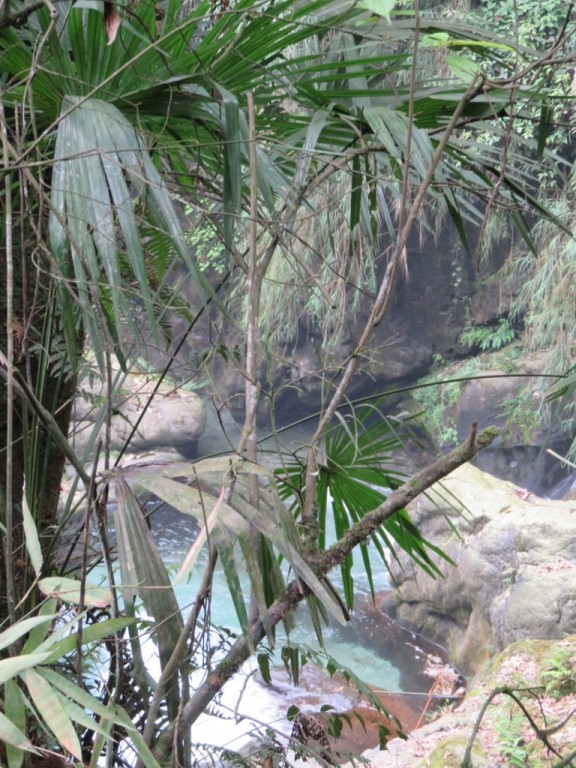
pixel 9 250
pixel 384 295
pixel 254 293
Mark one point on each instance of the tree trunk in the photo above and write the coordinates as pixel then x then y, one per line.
pixel 34 463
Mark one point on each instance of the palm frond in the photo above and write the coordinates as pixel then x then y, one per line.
pixel 355 476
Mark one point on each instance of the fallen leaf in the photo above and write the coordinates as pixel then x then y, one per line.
pixel 111 22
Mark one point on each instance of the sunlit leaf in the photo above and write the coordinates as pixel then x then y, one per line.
pixel 80 696
pixel 92 633
pixel 38 633
pixel 380 7
pixel 33 546
pixel 463 67
pixel 68 590
pixel 14 737
pixel 14 666
pixel 23 627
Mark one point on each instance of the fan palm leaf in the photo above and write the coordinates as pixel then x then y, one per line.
pixel 355 475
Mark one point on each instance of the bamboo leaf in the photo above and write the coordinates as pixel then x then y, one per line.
pixel 253 567
pixel 201 538
pixel 68 591
pixel 81 697
pixel 15 738
pixel 191 501
pixel 12 667
pixel 144 573
pixel 38 633
pixel 93 633
pixel 225 546
pixel 380 7
pixel 31 537
pixel 75 713
pixel 23 627
pixel 50 709
pixel 12 729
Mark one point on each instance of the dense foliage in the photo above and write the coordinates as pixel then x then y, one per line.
pixel 281 122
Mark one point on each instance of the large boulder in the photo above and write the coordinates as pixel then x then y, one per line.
pixel 514 568
pixel 166 416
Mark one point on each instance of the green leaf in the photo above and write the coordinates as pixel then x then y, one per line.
pixel 225 546
pixel 50 709
pixel 15 739
pixel 81 697
pixel 92 633
pixel 291 657
pixel 544 125
pixel 23 627
pixel 435 40
pixel 9 668
pixel 379 7
pixel 144 573
pixel 75 713
pixel 264 665
pixel 12 732
pixel 68 591
pixel 464 68
pixel 38 633
pixel 31 537
pixel 292 712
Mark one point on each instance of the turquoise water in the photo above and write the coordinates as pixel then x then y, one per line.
pixel 174 540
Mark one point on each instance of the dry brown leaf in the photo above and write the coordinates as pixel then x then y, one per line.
pixel 111 22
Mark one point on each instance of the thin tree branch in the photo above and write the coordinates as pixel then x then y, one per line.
pixel 10 399
pixel 326 561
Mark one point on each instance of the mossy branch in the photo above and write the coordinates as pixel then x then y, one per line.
pixel 326 561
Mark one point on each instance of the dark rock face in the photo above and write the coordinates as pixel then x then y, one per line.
pixel 445 288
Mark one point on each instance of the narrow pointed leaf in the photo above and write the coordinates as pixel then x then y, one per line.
pixel 38 633
pixel 31 537
pixel 50 709
pixel 23 627
pixel 92 633
pixel 13 737
pixel 12 732
pixel 12 667
pixel 144 573
pixel 81 697
pixel 68 590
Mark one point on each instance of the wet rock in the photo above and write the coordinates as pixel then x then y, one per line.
pixel 514 573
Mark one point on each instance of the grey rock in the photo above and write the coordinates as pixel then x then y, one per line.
pixel 514 578
pixel 166 416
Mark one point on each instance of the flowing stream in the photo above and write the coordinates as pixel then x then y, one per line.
pixel 246 703
pixel 380 653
